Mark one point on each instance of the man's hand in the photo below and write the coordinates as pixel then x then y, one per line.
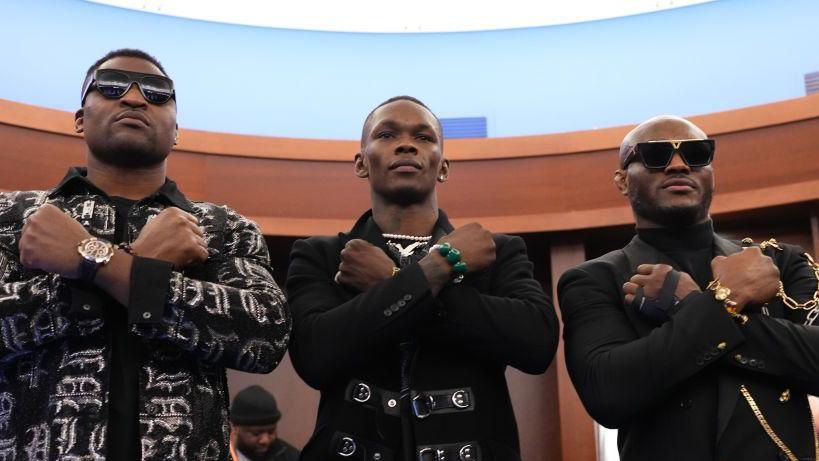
pixel 173 236
pixel 49 242
pixel 475 244
pixel 752 277
pixel 477 251
pixel 363 265
pixel 651 278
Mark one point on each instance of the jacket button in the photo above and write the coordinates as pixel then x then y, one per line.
pixel 401 303
pixel 394 308
pixel 146 315
pixel 752 362
pixel 86 307
pixel 407 297
pixel 738 358
pixel 700 362
pixel 387 312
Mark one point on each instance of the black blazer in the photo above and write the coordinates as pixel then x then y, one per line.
pixel 673 391
pixel 466 337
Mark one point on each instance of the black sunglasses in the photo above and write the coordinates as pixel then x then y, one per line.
pixel 114 83
pixel 657 155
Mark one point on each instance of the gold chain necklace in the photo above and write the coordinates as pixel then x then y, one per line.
pixel 771 434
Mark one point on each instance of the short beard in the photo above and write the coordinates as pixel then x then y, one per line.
pixel 679 216
pixel 406 197
pixel 130 157
pixel 250 454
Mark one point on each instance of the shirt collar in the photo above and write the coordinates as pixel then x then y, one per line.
pixel 76 181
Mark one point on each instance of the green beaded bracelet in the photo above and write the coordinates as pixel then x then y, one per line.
pixel 453 257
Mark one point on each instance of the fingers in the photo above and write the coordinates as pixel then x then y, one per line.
pixel 630 288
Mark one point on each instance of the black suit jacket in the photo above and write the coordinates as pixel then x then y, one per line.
pixel 466 337
pixel 673 390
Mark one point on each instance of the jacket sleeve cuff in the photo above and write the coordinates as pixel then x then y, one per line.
pixel 150 281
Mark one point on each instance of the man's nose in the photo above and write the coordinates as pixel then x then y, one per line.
pixel 133 97
pixel 406 146
pixel 677 163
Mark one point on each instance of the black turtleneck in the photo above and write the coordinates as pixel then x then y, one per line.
pixel 691 248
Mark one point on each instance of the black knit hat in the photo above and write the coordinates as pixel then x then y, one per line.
pixel 254 406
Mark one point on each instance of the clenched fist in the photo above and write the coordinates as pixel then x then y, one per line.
pixel 475 244
pixel 48 242
pixel 363 265
pixel 173 236
pixel 651 278
pixel 752 276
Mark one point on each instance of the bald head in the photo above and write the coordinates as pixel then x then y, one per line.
pixel 661 127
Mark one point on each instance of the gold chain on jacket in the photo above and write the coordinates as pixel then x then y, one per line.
pixel 809 305
pixel 768 430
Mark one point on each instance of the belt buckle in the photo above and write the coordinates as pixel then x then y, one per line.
pixel 437 454
pixel 417 401
pixel 460 399
pixel 347 447
pixel 362 393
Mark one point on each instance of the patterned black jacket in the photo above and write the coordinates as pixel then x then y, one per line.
pixel 55 345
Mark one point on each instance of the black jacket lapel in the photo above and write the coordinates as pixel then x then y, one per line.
pixel 728 387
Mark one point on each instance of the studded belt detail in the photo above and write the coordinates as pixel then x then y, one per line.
pixel 468 451
pixel 370 396
pixel 425 403
pixel 349 447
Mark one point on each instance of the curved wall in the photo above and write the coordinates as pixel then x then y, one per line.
pixel 700 59
pixel 766 156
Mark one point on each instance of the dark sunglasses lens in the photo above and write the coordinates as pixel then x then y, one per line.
pixel 697 153
pixel 655 155
pixel 112 84
pixel 156 90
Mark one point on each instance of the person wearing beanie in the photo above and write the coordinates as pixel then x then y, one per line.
pixel 254 417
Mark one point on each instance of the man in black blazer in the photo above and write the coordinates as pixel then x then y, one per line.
pixel 680 340
pixel 408 341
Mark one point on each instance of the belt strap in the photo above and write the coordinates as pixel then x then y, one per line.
pixel 467 451
pixel 448 401
pixel 371 396
pixel 349 447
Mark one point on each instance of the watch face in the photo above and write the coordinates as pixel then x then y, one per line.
pixel 96 250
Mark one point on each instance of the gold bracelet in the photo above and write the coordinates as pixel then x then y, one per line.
pixel 722 294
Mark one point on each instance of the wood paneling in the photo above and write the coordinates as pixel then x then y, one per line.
pixel 557 187
pixel 547 183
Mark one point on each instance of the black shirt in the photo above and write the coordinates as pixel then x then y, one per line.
pixel 123 421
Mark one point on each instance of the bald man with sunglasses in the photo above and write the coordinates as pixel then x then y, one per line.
pixel 121 301
pixel 682 339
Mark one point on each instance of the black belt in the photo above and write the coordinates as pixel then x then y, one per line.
pixel 370 396
pixel 468 451
pixel 448 401
pixel 424 403
pixel 348 447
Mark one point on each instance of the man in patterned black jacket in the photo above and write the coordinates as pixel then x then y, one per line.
pixel 121 301
pixel 410 363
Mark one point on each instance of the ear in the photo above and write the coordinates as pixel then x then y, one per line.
pixel 176 134
pixel 443 171
pixel 78 121
pixel 621 181
pixel 360 166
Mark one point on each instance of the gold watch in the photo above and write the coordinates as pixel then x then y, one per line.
pixel 95 253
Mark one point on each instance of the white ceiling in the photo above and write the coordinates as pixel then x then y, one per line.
pixel 383 16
